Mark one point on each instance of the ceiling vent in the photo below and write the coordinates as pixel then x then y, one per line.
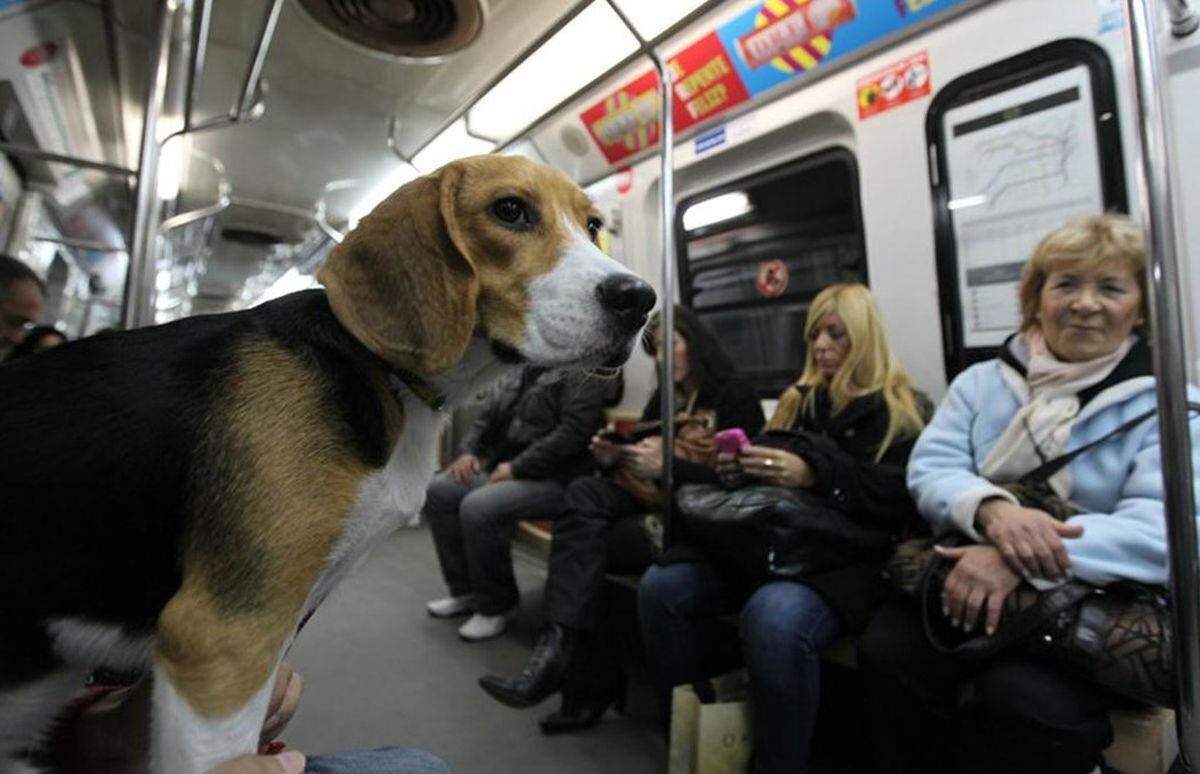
pixel 414 29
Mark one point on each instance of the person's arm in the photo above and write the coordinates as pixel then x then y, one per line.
pixel 482 434
pixel 875 492
pixel 582 402
pixel 1130 542
pixel 941 472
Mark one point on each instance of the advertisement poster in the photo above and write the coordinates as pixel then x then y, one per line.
pixel 840 31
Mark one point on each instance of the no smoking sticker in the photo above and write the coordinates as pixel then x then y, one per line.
pixel 771 279
pixel 895 85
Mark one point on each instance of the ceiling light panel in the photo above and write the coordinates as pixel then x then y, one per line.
pixel 590 44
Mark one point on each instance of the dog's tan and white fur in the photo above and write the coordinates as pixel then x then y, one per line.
pixel 440 286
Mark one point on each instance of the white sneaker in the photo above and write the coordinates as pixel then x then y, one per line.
pixel 484 627
pixel 448 607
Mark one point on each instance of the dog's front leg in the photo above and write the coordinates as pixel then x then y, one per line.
pixel 213 675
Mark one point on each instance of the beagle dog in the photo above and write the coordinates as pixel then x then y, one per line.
pixel 177 499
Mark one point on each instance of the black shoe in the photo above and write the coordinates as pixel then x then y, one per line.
pixel 543 675
pixel 580 712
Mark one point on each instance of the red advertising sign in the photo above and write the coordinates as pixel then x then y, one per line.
pixel 783 27
pixel 625 121
pixel 902 82
pixel 706 82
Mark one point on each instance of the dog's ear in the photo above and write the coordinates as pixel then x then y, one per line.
pixel 402 283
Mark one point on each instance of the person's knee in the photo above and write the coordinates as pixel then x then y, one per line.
pixel 784 617
pixel 891 641
pixel 586 493
pixel 480 514
pixel 665 589
pixel 1020 689
pixel 442 493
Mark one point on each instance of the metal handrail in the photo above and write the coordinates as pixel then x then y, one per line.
pixel 80 244
pixel 318 215
pixel 1170 363
pixel 37 153
pixel 223 199
pixel 199 50
pixel 137 299
pixel 666 186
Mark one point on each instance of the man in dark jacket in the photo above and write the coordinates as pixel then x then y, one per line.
pixel 531 439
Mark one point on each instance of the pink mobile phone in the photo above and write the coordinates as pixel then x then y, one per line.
pixel 732 440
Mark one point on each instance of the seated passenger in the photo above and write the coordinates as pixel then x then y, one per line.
pixel 530 440
pixel 708 394
pixel 22 299
pixel 1076 371
pixel 853 393
pixel 39 339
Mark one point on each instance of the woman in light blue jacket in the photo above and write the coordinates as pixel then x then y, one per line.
pixel 1075 372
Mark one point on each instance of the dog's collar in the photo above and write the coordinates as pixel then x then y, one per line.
pixel 425 392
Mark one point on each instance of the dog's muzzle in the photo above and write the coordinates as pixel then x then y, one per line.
pixel 627 299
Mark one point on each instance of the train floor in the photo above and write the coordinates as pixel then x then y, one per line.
pixel 379 671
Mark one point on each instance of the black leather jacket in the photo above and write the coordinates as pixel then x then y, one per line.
pixel 540 422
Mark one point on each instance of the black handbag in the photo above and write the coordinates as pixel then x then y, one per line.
pixel 774 531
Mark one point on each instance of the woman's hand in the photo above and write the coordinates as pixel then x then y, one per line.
pixel 285 700
pixel 980 581
pixel 729 470
pixel 503 472
pixel 644 458
pixel 776 466
pixel 1029 540
pixel 604 451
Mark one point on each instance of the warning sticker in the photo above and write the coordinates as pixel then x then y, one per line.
pixel 771 279
pixel 894 85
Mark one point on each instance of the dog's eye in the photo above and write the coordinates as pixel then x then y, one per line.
pixel 512 211
pixel 594 226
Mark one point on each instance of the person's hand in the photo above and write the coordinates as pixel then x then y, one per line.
pixel 604 452
pixel 1029 540
pixel 729 470
pixel 503 472
pixel 290 762
pixel 776 466
pixel 644 458
pixel 285 699
pixel 979 583
pixel 463 468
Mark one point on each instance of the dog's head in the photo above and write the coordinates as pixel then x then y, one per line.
pixel 492 246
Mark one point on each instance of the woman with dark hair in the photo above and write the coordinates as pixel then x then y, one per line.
pixel 708 397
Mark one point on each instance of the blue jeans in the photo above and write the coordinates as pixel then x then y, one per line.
pixel 385 760
pixel 783 626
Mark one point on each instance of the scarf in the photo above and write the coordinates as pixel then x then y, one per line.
pixel 1050 389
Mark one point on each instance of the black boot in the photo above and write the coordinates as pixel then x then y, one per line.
pixel 580 711
pixel 543 675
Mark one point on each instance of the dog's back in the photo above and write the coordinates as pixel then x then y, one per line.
pixel 136 430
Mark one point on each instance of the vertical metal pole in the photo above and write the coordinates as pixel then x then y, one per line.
pixel 1163 282
pixel 139 280
pixel 666 185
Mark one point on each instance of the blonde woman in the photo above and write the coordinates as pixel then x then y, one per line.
pixel 843 432
pixel 1075 372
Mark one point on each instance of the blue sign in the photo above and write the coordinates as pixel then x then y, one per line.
pixel 710 140
pixel 874 20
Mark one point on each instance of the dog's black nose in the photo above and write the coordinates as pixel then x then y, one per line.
pixel 627 298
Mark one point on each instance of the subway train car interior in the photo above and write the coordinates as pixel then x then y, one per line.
pixel 280 277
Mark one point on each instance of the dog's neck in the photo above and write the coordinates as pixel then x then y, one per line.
pixel 478 367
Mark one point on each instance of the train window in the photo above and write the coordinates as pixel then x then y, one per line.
pixel 754 253
pixel 1018 148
